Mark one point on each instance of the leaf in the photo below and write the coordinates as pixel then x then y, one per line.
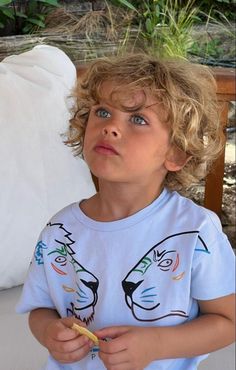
pixel 27 28
pixel 5 2
pixel 41 17
pixel 157 10
pixel 20 14
pixel 128 4
pixel 32 7
pixel 8 12
pixel 49 2
pixel 149 25
pixel 38 22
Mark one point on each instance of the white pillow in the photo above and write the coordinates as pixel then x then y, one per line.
pixel 38 173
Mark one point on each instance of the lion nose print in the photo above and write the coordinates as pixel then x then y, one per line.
pixel 129 287
pixel 93 285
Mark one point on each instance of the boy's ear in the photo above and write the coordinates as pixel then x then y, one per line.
pixel 176 159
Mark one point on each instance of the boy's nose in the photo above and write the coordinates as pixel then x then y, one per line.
pixel 111 130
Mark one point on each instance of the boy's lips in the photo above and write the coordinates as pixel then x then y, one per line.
pixel 104 148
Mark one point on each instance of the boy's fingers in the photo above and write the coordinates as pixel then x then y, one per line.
pixel 111 332
pixel 69 321
pixel 71 354
pixel 64 331
pixel 111 347
pixel 117 344
pixel 63 334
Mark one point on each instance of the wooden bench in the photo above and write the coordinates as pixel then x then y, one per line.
pixel 226 92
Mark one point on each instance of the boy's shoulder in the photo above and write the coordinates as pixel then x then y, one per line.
pixel 59 225
pixel 63 215
pixel 194 210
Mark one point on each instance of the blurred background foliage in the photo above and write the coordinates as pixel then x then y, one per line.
pixel 167 27
pixel 200 30
pixel 227 7
pixel 24 16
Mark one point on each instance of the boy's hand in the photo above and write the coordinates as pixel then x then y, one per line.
pixel 129 349
pixel 65 344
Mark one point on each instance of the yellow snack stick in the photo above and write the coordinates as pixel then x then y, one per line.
pixel 84 331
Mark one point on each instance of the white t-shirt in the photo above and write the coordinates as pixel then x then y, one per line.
pixel 148 269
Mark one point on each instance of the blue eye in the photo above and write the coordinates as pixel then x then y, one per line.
pixel 102 113
pixel 138 120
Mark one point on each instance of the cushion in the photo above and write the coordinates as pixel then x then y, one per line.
pixel 38 173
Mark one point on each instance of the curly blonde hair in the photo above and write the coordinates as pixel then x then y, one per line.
pixel 187 92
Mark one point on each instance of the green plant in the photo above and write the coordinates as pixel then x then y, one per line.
pixel 216 39
pixel 215 7
pixel 24 16
pixel 166 25
pixel 212 47
pixel 168 28
pixel 127 4
pixel 102 33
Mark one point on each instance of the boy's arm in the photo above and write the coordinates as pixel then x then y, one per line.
pixel 39 319
pixel 212 330
pixel 55 333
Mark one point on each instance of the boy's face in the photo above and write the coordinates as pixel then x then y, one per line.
pixel 127 147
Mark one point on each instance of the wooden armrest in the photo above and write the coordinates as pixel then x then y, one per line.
pixel 226 92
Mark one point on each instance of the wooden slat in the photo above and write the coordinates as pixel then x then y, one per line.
pixel 225 79
pixel 214 181
pixel 226 92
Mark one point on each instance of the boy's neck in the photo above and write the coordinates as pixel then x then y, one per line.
pixel 113 203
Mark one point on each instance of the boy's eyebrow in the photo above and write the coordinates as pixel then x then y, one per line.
pixel 151 105
pixel 107 103
pixel 102 101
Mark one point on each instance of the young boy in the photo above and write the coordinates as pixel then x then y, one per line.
pixel 144 268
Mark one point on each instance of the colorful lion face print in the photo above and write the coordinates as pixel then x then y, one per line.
pixel 149 288
pixel 62 258
pixel 151 284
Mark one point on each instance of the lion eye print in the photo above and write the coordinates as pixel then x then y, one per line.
pixel 60 259
pixel 165 264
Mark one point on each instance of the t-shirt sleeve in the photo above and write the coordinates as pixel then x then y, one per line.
pixel 35 293
pixel 213 267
